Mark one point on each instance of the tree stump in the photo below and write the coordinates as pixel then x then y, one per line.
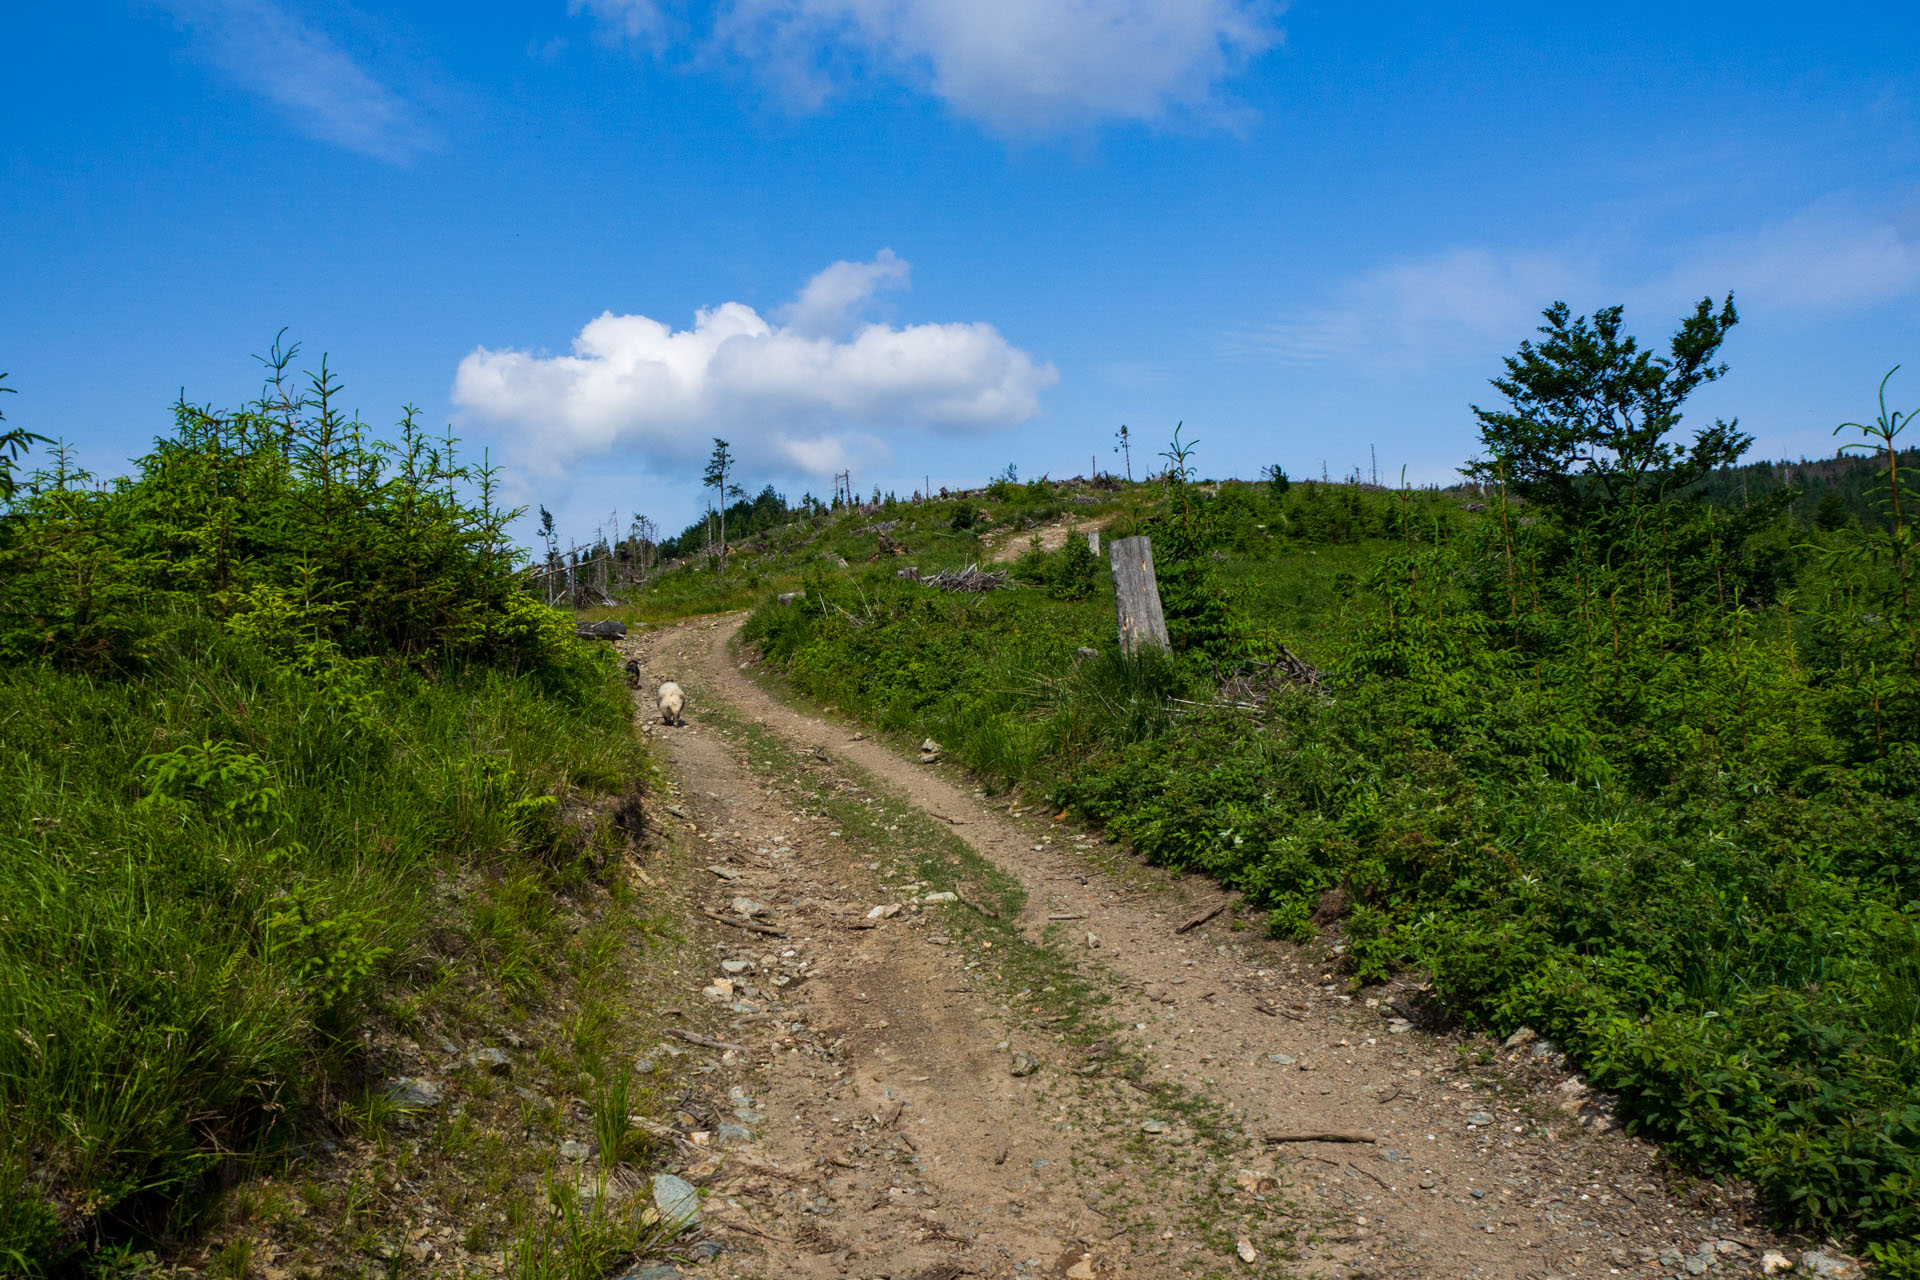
pixel 1136 596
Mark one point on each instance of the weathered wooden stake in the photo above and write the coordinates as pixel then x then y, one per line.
pixel 1136 595
pixel 1093 541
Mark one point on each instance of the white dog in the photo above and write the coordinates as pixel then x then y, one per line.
pixel 671 701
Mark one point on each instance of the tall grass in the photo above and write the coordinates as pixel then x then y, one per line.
pixel 177 984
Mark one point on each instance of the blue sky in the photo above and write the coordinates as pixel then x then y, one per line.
pixel 932 237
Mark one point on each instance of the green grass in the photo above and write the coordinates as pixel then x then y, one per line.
pixel 186 956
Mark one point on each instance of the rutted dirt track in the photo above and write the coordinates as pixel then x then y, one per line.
pixel 900 1129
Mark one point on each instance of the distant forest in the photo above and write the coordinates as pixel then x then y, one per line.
pixel 1829 493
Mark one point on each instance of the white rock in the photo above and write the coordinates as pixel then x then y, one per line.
pixel 411 1091
pixel 942 896
pixel 1773 1263
pixel 887 912
pixel 748 907
pixel 1829 1266
pixel 677 1201
pixel 1246 1250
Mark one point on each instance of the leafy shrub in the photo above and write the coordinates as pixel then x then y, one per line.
pixel 276 627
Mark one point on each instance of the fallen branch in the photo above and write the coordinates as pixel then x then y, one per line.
pixel 1326 1135
pixel 1203 917
pixel 707 1042
pixel 969 902
pixel 1376 1177
pixel 749 925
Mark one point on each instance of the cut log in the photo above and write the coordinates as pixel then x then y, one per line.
pixel 1325 1135
pixel 605 629
pixel 1136 596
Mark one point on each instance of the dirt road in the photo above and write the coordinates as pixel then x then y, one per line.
pixel 1080 1088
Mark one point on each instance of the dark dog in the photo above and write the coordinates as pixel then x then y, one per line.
pixel 633 673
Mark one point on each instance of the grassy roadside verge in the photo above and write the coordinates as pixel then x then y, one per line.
pixel 307 800
pixel 222 894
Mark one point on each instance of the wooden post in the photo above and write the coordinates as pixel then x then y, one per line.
pixel 1093 541
pixel 1136 595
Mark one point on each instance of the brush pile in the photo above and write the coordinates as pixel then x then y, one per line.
pixel 972 578
pixel 1252 686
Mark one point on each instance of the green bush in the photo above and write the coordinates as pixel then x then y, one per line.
pixel 285 519
pixel 263 700
pixel 1075 572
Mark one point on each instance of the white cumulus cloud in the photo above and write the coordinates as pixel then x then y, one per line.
pixel 1019 66
pixel 833 297
pixel 805 391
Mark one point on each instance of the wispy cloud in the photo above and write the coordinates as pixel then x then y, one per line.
pixel 271 51
pixel 1836 256
pixel 1017 66
pixel 1421 310
pixel 806 394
